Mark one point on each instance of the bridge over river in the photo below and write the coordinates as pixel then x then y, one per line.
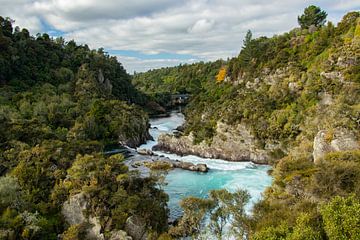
pixel 179 99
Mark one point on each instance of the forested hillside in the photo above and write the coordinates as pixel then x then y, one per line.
pixel 292 101
pixel 60 105
pixel 275 84
pixel 161 83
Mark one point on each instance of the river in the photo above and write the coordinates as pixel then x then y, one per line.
pixel 222 174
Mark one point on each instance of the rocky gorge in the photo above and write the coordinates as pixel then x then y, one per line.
pixel 232 143
pixel 267 146
pixel 191 175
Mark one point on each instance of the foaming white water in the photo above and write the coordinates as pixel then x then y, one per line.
pixel 163 125
pixel 168 125
pixel 216 164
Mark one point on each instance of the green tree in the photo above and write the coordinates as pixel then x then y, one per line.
pixel 75 232
pixel 223 208
pixel 195 210
pixel 304 229
pixel 237 210
pixel 220 214
pixel 10 193
pixel 312 15
pixel 228 208
pixel 247 39
pixel 273 233
pixel 247 50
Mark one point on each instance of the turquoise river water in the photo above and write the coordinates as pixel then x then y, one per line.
pixel 222 174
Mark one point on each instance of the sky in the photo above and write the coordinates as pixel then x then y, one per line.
pixel 148 34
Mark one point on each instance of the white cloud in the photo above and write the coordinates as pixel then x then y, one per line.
pixel 201 26
pixel 206 29
pixel 344 5
pixel 19 10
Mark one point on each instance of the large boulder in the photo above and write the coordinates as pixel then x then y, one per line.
pixel 135 226
pixel 186 165
pixel 73 209
pixel 143 151
pixel 200 167
pixel 73 212
pixel 331 141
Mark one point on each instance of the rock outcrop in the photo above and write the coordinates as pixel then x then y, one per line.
pixel 135 140
pixel 135 227
pixel 335 75
pixel 233 143
pixel 331 141
pixel 104 82
pixel 155 108
pixel 73 212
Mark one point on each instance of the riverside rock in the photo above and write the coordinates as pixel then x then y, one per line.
pixel 190 166
pixel 136 140
pixel 202 167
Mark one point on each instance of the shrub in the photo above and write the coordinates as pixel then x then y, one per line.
pixel 341 218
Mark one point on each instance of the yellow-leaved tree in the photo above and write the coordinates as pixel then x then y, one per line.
pixel 220 77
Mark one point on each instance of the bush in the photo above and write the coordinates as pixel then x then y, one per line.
pixel 75 232
pixel 341 218
pixel 273 233
pixel 336 178
pixel 343 156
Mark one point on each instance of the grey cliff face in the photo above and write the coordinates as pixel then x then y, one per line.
pixel 233 143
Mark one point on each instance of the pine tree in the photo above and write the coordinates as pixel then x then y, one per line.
pixel 313 15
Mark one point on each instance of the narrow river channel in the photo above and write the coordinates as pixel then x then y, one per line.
pixel 222 174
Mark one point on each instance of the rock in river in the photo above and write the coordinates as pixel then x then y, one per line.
pixel 143 151
pixel 190 166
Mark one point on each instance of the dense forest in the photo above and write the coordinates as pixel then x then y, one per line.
pixel 61 104
pixel 159 84
pixel 297 94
